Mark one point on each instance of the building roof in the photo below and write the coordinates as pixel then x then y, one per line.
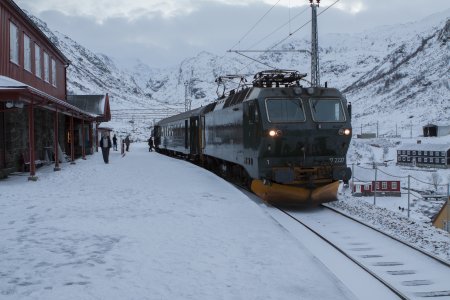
pixel 16 88
pixel 30 22
pixel 436 125
pixel 94 104
pixel 425 147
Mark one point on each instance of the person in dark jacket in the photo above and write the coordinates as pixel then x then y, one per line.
pixel 114 139
pixel 105 144
pixel 127 142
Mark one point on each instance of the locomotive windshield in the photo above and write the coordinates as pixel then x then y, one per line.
pixel 281 110
pixel 327 110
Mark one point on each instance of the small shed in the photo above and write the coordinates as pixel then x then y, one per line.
pixel 442 218
pixel 430 130
pixel 384 188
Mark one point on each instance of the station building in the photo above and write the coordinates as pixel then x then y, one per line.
pixel 37 122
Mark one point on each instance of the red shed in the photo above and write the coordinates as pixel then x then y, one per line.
pixel 383 187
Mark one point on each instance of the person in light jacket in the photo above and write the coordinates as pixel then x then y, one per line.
pixel 105 144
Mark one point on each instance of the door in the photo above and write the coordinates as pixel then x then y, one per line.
pixel 251 125
pixel 194 136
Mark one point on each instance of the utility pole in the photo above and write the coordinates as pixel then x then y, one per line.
pixel 315 74
pixel 186 97
pixel 375 187
pixel 377 129
pixel 448 209
pixel 188 92
pixel 410 129
pixel 409 192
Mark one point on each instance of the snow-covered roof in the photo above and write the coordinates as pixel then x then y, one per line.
pixel 425 147
pixel 6 82
pixel 9 84
pixel 92 103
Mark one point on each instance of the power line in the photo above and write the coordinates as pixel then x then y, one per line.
pixel 253 27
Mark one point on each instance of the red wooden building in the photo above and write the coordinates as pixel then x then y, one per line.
pixel 384 188
pixel 35 117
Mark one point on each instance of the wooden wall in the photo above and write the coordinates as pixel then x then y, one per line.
pixel 9 13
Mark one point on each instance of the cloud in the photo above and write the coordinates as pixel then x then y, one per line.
pixel 163 33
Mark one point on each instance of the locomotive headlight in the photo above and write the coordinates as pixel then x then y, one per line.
pixel 345 131
pixel 274 133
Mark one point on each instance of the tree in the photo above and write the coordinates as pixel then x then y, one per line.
pixel 436 180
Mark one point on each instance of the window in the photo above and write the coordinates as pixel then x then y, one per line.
pixel 13 43
pixel 53 72
pixel 285 110
pixel 27 52
pixel 394 185
pixel 384 185
pixel 37 61
pixel 46 68
pixel 425 153
pixel 377 185
pixel 408 152
pixel 442 153
pixel 327 110
pixel 414 152
pixel 420 153
pixel 443 161
pixel 425 160
pixel 419 159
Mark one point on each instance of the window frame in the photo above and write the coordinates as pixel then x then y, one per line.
pixel 14 51
pixel 37 61
pixel 284 98
pixel 53 69
pixel 46 67
pixel 324 99
pixel 27 58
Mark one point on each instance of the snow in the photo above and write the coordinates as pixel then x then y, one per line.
pixel 146 226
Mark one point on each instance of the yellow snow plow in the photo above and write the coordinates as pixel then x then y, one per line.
pixel 292 196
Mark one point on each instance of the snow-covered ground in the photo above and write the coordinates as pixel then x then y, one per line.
pixel 146 226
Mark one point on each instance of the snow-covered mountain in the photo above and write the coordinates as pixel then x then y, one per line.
pixel 399 71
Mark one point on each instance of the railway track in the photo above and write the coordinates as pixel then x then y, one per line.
pixel 403 270
pixel 372 264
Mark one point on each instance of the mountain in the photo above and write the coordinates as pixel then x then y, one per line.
pixel 399 71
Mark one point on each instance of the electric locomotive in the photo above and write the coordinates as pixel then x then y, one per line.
pixel 287 142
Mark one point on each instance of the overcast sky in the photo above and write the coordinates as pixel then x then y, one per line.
pixel 164 32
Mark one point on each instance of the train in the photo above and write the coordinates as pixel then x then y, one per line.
pixel 287 143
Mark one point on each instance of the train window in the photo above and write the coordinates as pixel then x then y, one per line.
pixel 327 110
pixel 285 110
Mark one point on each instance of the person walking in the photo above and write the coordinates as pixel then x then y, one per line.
pixel 114 139
pixel 105 144
pixel 127 142
pixel 150 144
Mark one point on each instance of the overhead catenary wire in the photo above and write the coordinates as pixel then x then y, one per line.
pixel 256 24
pixel 289 35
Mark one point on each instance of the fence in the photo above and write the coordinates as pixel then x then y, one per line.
pixel 410 192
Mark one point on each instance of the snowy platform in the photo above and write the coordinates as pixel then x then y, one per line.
pixel 146 226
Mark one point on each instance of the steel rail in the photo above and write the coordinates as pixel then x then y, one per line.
pixel 381 280
pixel 428 254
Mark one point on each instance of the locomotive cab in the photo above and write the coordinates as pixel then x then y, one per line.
pixel 304 135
